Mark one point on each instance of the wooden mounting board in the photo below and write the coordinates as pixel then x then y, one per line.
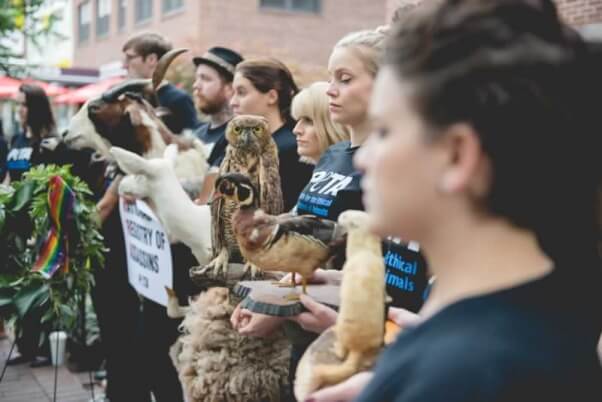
pixel 321 351
pixel 205 278
pixel 267 298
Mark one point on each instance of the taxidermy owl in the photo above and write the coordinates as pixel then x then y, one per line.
pixel 251 151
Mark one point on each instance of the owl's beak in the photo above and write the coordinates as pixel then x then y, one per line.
pixel 246 139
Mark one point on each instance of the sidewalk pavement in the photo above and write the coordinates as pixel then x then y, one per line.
pixel 22 383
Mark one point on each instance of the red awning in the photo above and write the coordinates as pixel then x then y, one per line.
pixel 8 87
pixel 50 89
pixel 86 92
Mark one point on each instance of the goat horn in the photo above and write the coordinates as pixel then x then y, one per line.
pixel 134 85
pixel 163 64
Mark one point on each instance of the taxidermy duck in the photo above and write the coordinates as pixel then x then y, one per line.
pixel 297 244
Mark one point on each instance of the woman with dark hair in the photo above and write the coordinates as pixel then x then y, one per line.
pixel 37 143
pixel 265 87
pixel 487 153
pixel 334 188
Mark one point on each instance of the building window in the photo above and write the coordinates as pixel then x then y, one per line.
pixel 121 14
pixel 83 21
pixel 310 6
pixel 103 17
pixel 144 10
pixel 172 5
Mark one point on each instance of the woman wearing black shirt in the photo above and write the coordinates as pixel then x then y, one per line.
pixel 335 187
pixel 37 144
pixel 515 312
pixel 265 87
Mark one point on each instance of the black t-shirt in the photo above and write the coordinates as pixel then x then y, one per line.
pixel 335 187
pixel 294 174
pixel 405 274
pixel 26 152
pixel 215 136
pixel 183 114
pixel 533 342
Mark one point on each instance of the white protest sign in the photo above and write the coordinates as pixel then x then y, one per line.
pixel 148 251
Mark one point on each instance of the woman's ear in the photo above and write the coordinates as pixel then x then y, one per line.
pixel 467 167
pixel 272 95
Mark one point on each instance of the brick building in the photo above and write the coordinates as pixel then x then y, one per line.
pixel 585 15
pixel 299 32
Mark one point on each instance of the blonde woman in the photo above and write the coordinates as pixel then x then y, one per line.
pixel 335 187
pixel 315 131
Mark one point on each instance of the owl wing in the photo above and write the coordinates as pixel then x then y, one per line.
pixel 270 188
pixel 217 209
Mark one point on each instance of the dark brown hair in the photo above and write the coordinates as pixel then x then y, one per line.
pixel 266 74
pixel 39 114
pixel 524 81
pixel 148 43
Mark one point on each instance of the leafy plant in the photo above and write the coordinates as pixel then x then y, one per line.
pixel 24 220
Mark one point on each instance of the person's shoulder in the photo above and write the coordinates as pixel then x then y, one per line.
pixel 169 93
pixel 435 361
pixel 19 140
pixel 201 130
pixel 171 89
pixel 285 139
pixel 335 154
pixel 337 147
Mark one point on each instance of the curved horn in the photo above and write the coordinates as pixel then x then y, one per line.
pixel 134 85
pixel 163 64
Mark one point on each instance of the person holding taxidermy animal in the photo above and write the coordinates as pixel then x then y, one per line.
pixel 129 331
pixel 335 183
pixel 515 312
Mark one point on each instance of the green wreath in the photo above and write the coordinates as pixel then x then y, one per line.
pixel 25 221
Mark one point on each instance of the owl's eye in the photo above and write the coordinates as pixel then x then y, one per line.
pixel 256 130
pixel 237 130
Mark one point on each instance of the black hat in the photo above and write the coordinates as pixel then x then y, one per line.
pixel 220 58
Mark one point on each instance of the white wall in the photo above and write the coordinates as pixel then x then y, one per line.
pixel 55 50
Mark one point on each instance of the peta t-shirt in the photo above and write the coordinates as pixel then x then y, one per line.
pixel 334 186
pixel 18 160
pixel 405 273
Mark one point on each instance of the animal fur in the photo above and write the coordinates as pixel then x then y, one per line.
pixel 131 123
pixel 156 179
pixel 359 328
pixel 215 363
pixel 251 150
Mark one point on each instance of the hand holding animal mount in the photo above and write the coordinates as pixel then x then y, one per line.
pixel 156 179
pixel 357 337
pixel 297 244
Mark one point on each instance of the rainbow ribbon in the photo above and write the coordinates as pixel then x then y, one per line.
pixel 54 251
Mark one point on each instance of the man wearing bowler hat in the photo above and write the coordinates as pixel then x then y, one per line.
pixel 213 90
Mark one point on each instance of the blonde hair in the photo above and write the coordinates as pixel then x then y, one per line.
pixel 312 102
pixel 368 46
